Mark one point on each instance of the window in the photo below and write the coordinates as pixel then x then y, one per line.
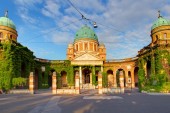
pixel 165 35
pixel 76 47
pixel 1 36
pixel 10 37
pixel 86 47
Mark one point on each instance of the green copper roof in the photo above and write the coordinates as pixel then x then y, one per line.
pixel 159 22
pixel 85 32
pixel 5 21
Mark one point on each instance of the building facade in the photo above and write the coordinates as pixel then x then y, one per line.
pixel 87 56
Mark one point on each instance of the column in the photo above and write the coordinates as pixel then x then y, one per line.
pixel 31 83
pixel 54 83
pixel 132 78
pixel 80 73
pixel 101 68
pixel 114 79
pixel 91 77
pixel 100 89
pixel 126 78
pixel 77 83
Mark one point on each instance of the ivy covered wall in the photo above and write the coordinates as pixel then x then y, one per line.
pixel 159 59
pixel 15 61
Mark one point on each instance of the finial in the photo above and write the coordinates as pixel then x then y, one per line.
pixel 6 13
pixel 159 14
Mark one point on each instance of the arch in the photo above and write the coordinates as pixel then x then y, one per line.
pixel 136 76
pixel 63 79
pixel 110 78
pixel 120 72
pixel 86 76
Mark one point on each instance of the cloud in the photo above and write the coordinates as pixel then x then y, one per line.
pixel 123 25
pixel 51 9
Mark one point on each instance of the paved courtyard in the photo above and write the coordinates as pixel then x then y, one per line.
pixel 120 103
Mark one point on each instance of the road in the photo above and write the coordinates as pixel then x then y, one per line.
pixel 120 103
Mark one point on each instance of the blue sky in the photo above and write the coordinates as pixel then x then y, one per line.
pixel 47 26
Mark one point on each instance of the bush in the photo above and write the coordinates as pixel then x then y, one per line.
pixel 19 82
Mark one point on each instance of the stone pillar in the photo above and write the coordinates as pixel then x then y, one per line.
pixel 126 78
pixel 77 83
pixel 91 78
pixel 132 78
pixel 100 89
pixel 54 83
pixel 31 83
pixel 80 72
pixel 114 79
pixel 101 68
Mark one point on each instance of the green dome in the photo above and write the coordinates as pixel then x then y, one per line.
pixel 160 22
pixel 85 32
pixel 4 21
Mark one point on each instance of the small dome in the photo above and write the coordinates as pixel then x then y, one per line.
pixel 5 21
pixel 85 32
pixel 160 22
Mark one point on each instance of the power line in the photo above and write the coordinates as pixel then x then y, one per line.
pixel 76 9
pixel 52 30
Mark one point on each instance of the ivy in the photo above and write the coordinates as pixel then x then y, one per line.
pixel 15 61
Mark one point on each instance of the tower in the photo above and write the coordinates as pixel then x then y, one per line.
pixel 8 31
pixel 160 31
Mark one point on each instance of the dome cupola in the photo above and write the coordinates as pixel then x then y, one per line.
pixel 85 32
pixel 160 22
pixel 5 21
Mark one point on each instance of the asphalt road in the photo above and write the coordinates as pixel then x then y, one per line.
pixel 120 103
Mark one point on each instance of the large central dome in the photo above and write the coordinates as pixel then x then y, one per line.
pixel 85 32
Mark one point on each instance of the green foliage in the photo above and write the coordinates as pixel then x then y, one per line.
pixel 93 76
pixel 159 75
pixel 15 61
pixel 104 79
pixel 20 81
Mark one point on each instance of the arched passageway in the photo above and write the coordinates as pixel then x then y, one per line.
pixel 120 72
pixel 63 78
pixel 110 78
pixel 86 76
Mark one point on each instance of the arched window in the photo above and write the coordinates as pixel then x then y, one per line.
pixel 86 46
pixel 165 35
pixel 11 37
pixel 1 35
pixel 76 47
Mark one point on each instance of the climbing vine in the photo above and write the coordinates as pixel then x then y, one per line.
pixel 15 61
pixel 160 60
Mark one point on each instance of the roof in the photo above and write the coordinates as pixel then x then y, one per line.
pixel 85 32
pixel 160 22
pixel 5 21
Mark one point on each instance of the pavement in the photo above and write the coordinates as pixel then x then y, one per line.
pixel 44 102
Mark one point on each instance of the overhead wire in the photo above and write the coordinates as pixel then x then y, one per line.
pixel 52 30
